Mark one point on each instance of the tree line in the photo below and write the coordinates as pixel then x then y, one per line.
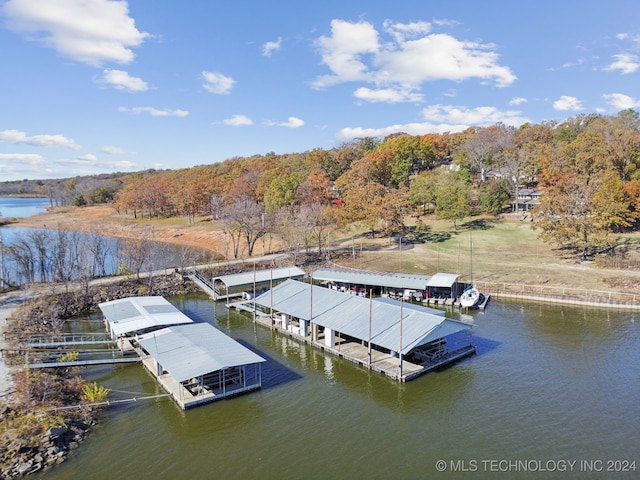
pixel 587 166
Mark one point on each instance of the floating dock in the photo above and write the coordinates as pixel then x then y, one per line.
pixel 400 341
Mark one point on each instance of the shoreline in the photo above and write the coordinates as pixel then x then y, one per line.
pixel 9 302
pixel 542 273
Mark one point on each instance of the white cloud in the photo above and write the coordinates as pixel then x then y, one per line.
pixel 515 101
pixel 111 150
pixel 217 83
pixel 401 31
pixel 567 103
pixel 621 101
pixel 89 31
pixel 88 157
pixel 25 158
pixel 415 128
pixel 16 136
pixel 89 165
pixel 342 52
pixel 154 112
pixel 625 62
pixel 465 116
pixel 439 119
pixel 238 121
pixel 633 38
pixel 270 47
pixel 292 122
pixel 387 95
pixel 121 80
pixel 411 57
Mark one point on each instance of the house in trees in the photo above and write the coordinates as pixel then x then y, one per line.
pixel 527 199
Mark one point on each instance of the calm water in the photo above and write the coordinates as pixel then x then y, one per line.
pixel 22 207
pixel 549 385
pixel 164 256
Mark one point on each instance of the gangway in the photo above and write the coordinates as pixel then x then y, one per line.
pixel 68 340
pixel 52 351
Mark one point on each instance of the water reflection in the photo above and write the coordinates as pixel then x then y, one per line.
pixel 114 253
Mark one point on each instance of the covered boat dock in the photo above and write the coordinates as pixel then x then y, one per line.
pixel 127 317
pixel 438 289
pixel 194 362
pixel 199 364
pixel 242 284
pixel 399 340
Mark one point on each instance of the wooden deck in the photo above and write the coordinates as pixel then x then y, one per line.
pixel 381 362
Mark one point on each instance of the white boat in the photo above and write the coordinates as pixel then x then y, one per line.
pixel 469 297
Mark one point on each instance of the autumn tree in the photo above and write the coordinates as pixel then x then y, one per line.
pixel 362 204
pixel 453 196
pixel 340 159
pixel 408 154
pixel 393 210
pixel 585 201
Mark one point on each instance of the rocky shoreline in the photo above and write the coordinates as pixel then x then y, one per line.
pixel 51 448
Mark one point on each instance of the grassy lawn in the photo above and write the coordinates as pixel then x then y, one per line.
pixel 493 250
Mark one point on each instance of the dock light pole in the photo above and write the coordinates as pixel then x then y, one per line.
pixel 400 351
pixel 310 306
pixel 271 296
pixel 370 321
pixel 254 291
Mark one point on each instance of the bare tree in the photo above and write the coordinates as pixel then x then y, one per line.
pixel 100 250
pixel 243 218
pixel 134 252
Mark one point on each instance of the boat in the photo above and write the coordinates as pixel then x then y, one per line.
pixel 469 297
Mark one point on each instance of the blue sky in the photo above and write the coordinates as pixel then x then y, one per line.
pixel 97 86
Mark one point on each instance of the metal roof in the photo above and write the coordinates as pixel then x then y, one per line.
pixel 410 306
pixel 443 280
pixel 188 351
pixel 137 314
pixel 247 278
pixel 349 314
pixel 374 279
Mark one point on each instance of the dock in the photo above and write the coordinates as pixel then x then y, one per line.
pixel 384 363
pixel 53 351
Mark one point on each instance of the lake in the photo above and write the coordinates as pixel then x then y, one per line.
pixel 552 392
pixel 161 256
pixel 11 207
